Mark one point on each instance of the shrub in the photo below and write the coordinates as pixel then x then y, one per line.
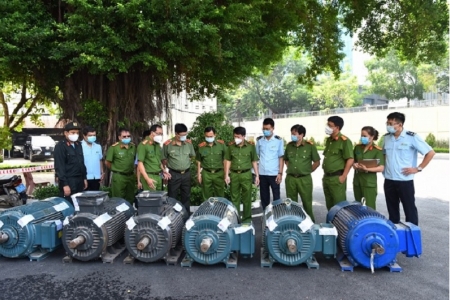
pixel 431 140
pixel 442 144
pixel 44 192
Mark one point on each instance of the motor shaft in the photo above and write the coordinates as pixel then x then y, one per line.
pixel 3 237
pixel 143 243
pixel 79 240
pixel 292 245
pixel 205 244
pixel 378 248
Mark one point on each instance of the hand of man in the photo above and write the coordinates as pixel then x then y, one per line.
pixel 66 190
pixel 257 180
pixel 409 171
pixel 166 175
pixel 139 186
pixel 342 178
pixel 85 184
pixel 151 183
pixel 278 179
pixel 199 178
pixel 227 180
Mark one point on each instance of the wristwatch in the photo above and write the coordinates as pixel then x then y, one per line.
pixel 419 169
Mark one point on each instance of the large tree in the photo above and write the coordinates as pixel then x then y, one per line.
pixel 132 56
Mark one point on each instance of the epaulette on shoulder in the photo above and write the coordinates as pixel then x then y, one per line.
pixel 310 142
pixel 167 142
pixel 231 143
pixel 410 133
pixel 144 142
pixel 115 144
pixel 387 134
pixel 202 144
pixel 251 142
pixel 343 137
pixel 377 147
pixel 277 137
pixel 220 141
pixel 188 141
pixel 259 137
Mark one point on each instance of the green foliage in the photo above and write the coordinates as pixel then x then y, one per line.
pixel 5 138
pixel 224 130
pixel 443 143
pixel 105 188
pixel 431 140
pixel 45 192
pixel 441 150
pixel 94 114
pixel 1 158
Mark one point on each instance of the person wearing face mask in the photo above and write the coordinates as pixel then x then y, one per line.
pixel 400 149
pixel 93 156
pixel 120 159
pixel 301 158
pixel 69 163
pixel 269 149
pixel 149 155
pixel 337 163
pixel 210 164
pixel 177 154
pixel 365 179
pixel 240 157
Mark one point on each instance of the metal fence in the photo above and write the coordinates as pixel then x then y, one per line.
pixel 444 101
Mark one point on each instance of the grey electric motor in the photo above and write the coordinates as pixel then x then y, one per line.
pixel 155 233
pixel 97 227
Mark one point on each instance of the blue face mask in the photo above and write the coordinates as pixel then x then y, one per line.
pixel 91 139
pixel 294 138
pixel 182 138
pixel 126 141
pixel 364 140
pixel 267 132
pixel 209 139
pixel 390 129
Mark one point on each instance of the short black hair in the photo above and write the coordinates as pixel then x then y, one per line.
pixel 337 121
pixel 88 129
pixel 209 129
pixel 299 129
pixel 145 133
pixel 371 131
pixel 154 127
pixel 269 121
pixel 180 127
pixel 119 132
pixel 399 117
pixel 239 130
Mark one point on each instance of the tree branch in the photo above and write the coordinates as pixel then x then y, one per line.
pixel 28 111
pixel 5 109
pixel 266 103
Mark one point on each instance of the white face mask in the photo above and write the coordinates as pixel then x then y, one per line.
pixel 158 138
pixel 237 141
pixel 73 137
pixel 328 130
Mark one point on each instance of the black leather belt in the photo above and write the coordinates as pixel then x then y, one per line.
pixel 124 174
pixel 240 171
pixel 337 173
pixel 180 172
pixel 213 170
pixel 297 175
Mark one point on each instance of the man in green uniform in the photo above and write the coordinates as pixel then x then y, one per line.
pixel 210 165
pixel 177 153
pixel 301 158
pixel 69 163
pixel 240 157
pixel 149 157
pixel 120 160
pixel 338 160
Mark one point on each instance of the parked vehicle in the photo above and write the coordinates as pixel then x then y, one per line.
pixel 38 147
pixel 12 191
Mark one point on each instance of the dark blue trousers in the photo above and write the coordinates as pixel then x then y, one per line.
pixel 265 184
pixel 401 191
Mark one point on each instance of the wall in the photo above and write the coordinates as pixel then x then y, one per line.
pixel 422 120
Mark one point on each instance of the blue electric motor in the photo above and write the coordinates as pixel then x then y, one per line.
pixel 291 238
pixel 214 234
pixel 34 229
pixel 369 240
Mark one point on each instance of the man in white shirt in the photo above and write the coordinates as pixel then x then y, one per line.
pixel 92 159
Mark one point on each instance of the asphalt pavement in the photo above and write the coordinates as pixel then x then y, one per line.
pixel 426 277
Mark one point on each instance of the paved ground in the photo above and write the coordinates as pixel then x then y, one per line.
pixel 422 278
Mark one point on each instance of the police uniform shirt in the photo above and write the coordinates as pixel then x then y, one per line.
pixel 300 157
pixel 211 156
pixel 241 157
pixel 178 156
pixel 337 151
pixel 122 157
pixel 149 153
pixel 402 153
pixel 69 161
pixel 92 156
pixel 269 152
